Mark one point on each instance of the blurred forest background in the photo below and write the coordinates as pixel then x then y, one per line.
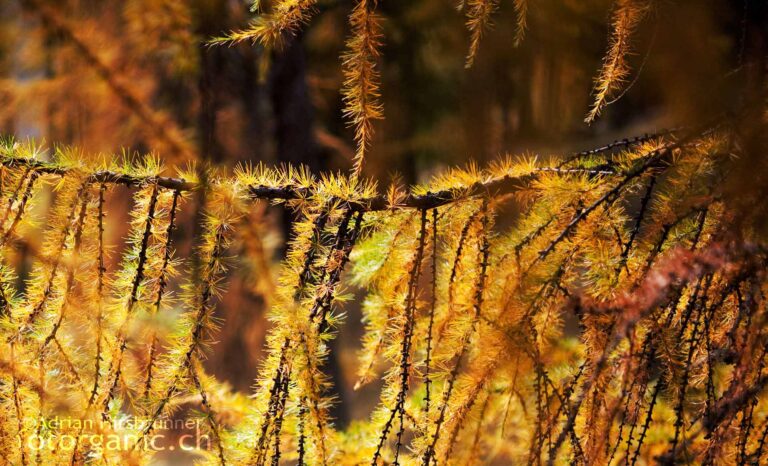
pixel 139 76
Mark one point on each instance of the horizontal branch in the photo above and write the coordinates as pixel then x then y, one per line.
pixel 101 176
pixel 289 192
pixel 620 143
pixel 429 200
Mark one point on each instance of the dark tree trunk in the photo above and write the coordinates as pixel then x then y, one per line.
pixel 294 134
pixel 293 108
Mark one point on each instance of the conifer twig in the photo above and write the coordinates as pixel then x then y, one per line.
pixel 361 78
pixel 116 365
pixel 479 20
pixel 162 284
pixel 101 270
pixel 484 251
pixel 615 70
pixel 433 305
pixel 405 351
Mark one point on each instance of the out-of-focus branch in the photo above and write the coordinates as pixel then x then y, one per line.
pixel 155 123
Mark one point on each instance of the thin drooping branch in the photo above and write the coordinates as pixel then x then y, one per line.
pixel 408 330
pixel 361 92
pixel 100 297
pixel 78 235
pixel 161 288
pixel 433 306
pixel 48 289
pixel 22 206
pixel 116 365
pixel 478 20
pixel 484 252
pixel 302 435
pixel 209 413
pixel 13 197
pixel 204 295
pixel 638 222
pixel 307 277
pixel 15 385
pixel 405 351
pixel 615 68
pixel 328 277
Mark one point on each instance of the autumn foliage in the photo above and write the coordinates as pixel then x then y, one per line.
pixel 598 307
